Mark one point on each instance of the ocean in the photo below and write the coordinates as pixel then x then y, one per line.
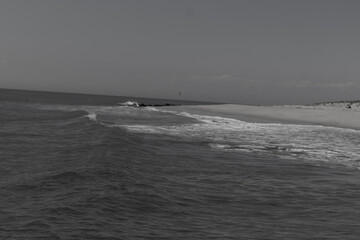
pixel 76 166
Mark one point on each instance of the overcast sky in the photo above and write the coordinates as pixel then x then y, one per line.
pixel 250 52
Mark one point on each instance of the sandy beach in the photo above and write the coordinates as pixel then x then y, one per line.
pixel 326 114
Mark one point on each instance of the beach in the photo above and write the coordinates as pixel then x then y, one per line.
pixel 325 114
pixel 77 166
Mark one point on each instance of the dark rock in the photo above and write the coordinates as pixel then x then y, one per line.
pixel 157 105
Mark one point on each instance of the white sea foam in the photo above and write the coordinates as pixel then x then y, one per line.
pixel 289 141
pixel 129 104
pixel 92 116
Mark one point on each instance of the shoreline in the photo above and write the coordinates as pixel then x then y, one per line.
pixel 323 115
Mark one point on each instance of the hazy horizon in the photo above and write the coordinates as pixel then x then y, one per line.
pixel 247 52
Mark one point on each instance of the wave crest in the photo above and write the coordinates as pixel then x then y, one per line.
pixel 130 104
pixel 92 116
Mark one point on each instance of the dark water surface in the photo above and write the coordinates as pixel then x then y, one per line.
pixel 85 167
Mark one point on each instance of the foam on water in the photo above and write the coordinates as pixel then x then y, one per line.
pixel 288 141
pixel 130 104
pixel 91 116
pixel 142 173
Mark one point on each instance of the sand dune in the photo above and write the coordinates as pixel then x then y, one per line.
pixel 326 114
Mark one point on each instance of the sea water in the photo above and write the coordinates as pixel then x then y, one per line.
pixel 79 166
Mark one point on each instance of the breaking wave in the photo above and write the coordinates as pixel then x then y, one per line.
pixel 289 141
pixel 130 104
pixel 91 116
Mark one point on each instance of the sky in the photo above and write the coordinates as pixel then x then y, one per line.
pixel 237 51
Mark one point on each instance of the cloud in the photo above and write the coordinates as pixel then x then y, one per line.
pixel 341 85
pixel 318 84
pixel 212 78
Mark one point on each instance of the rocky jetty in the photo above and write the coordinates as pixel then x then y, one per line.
pixel 157 105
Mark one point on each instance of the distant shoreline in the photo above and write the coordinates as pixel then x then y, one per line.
pixel 324 114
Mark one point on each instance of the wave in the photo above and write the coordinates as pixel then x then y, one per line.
pixel 130 104
pixel 290 141
pixel 92 116
pixel 287 141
